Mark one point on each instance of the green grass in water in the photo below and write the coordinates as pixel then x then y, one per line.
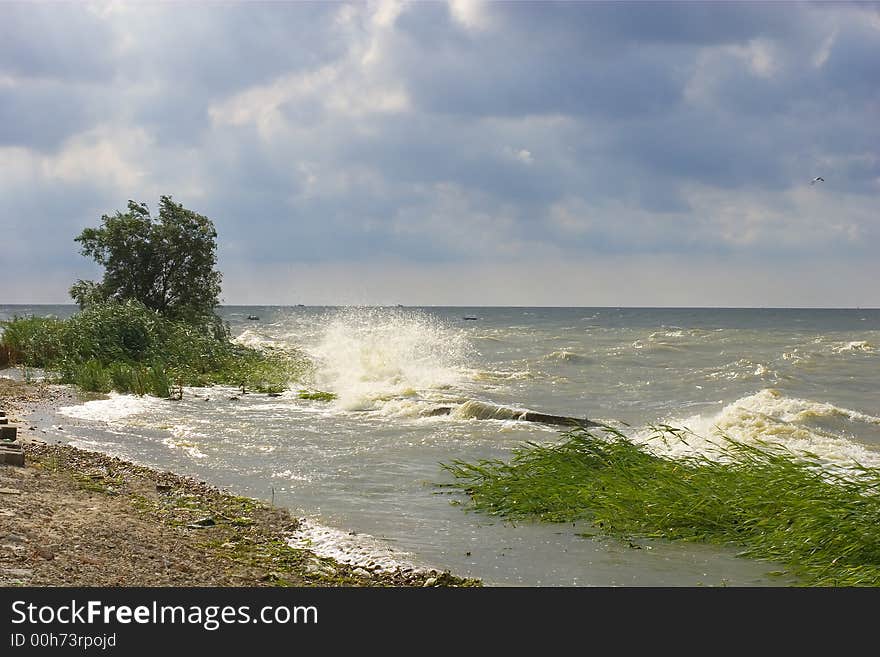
pixel 317 395
pixel 778 506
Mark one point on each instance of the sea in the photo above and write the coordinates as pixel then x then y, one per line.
pixel 364 471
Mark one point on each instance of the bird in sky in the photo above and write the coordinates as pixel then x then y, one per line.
pixel 817 179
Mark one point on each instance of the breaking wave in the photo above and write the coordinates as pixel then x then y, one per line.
pixel 829 432
pixel 367 356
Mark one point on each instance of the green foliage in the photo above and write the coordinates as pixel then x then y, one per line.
pixel 128 347
pixel 92 376
pixel 317 395
pixel 777 505
pixel 167 264
pixel 34 341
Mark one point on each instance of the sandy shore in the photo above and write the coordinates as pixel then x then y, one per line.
pixel 71 517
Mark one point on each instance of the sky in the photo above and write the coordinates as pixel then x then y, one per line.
pixel 455 153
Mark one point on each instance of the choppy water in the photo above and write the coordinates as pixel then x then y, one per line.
pixel 362 468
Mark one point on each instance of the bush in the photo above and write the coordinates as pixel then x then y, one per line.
pixel 33 341
pixel 128 347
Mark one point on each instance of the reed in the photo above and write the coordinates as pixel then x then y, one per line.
pixel 127 347
pixel 317 395
pixel 824 526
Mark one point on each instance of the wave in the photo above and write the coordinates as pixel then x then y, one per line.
pixel 564 356
pixel 768 416
pixel 656 346
pixel 743 369
pixel 255 339
pixel 856 345
pixel 370 355
pixel 478 410
pixel 500 375
pixel 802 355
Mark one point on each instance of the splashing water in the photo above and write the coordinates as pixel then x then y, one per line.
pixel 800 425
pixel 368 356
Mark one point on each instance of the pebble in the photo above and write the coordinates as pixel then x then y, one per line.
pixel 45 553
pixel 14 538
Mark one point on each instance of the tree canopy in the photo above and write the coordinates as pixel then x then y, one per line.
pixel 166 263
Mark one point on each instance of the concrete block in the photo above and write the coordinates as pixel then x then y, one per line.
pixel 12 456
pixel 8 432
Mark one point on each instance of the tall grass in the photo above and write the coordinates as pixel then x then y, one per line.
pixel 824 526
pixel 32 341
pixel 127 347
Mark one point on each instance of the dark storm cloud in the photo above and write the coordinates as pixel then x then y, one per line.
pixel 431 133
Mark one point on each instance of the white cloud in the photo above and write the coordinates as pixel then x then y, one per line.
pixel 519 154
pixel 824 52
pixel 804 216
pixel 102 156
pixel 471 14
pixel 761 57
pixel 353 87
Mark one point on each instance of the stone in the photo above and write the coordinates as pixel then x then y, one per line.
pixel 561 420
pixel 9 491
pixel 8 432
pixel 12 457
pixel 45 553
pixel 202 523
pixel 528 416
pixel 14 538
pixel 431 581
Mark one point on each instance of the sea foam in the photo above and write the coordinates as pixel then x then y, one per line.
pixel 768 416
pixel 113 409
pixel 368 356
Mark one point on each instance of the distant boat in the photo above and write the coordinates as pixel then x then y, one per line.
pixel 253 317
pixel 817 179
pixel 469 317
pixel 300 305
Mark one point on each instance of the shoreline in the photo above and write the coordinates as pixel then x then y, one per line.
pixel 72 517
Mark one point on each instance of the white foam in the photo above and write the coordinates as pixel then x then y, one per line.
pixel 347 547
pixel 290 475
pixel 368 356
pixel 254 339
pixel 769 416
pixel 184 438
pixel 189 448
pixel 113 409
pixel 565 356
pixel 855 345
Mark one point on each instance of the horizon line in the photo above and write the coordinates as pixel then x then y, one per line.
pixel 385 305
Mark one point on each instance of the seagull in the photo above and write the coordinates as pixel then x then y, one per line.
pixel 817 179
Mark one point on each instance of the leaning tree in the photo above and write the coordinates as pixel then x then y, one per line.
pixel 166 263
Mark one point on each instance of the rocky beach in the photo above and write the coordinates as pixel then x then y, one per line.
pixel 72 517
